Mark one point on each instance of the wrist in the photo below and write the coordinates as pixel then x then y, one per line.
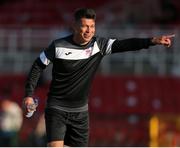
pixel 153 41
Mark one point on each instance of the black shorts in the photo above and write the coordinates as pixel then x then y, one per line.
pixel 71 127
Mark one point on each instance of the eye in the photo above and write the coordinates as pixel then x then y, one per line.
pixel 83 26
pixel 92 26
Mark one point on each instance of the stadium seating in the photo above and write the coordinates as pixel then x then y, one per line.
pixel 40 12
pixel 33 13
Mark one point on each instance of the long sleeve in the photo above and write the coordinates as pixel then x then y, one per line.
pixel 131 44
pixel 33 77
pixel 44 59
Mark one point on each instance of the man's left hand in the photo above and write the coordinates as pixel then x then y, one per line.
pixel 165 40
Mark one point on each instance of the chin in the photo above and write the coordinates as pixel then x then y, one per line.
pixel 87 39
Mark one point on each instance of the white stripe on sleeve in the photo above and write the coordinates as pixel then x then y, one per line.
pixel 44 59
pixel 109 45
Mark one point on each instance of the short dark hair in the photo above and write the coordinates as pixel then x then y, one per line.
pixel 84 13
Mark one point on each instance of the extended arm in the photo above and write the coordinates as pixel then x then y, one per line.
pixel 133 44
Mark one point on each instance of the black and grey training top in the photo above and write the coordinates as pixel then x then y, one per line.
pixel 74 67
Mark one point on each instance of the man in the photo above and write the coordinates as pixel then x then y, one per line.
pixel 75 59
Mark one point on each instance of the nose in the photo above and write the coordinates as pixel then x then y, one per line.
pixel 88 29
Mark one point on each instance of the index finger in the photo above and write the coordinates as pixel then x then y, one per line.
pixel 170 36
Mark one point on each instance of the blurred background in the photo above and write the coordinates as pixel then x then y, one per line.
pixel 135 98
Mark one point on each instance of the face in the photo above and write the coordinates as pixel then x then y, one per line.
pixel 84 30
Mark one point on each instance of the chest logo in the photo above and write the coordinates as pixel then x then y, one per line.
pixel 88 52
pixel 68 53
